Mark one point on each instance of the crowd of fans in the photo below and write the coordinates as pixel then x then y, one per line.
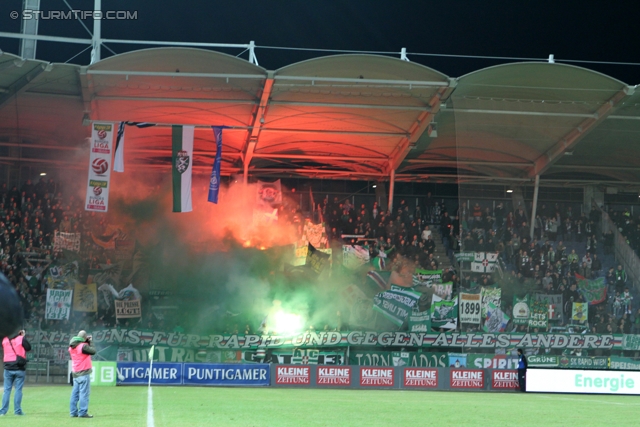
pixel 565 244
pixel 404 232
pixel 565 247
pixel 29 218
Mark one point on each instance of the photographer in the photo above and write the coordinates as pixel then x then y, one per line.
pixel 81 350
pixel 15 363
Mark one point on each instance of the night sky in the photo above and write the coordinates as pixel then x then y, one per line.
pixel 593 31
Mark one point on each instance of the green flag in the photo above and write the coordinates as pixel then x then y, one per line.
pixel 465 256
pixel 444 314
pixel 396 304
pixel 490 295
pixel 593 291
pixel 427 277
pixel 521 310
pixel 420 321
pixel 539 317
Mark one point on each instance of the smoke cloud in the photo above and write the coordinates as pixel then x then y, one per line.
pixel 223 269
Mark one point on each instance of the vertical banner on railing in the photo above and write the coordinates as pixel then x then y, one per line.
pixel 99 167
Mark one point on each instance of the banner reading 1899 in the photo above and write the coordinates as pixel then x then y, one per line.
pixel 99 167
pixel 470 308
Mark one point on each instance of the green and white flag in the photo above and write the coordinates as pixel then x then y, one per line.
pixel 396 304
pixel 400 358
pixel 354 256
pixel 484 262
pixel 433 279
pixel 420 321
pixel 465 256
pixel 521 310
pixel 594 291
pixel 305 357
pixel 182 163
pixel 539 315
pixel 554 305
pixel 58 304
pixel 427 277
pixel 444 314
pixel 490 295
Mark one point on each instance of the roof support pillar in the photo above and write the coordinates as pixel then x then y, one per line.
pixel 97 32
pixel 392 184
pixel 246 158
pixel 29 26
pixel 259 113
pixel 570 140
pixel 417 129
pixel 252 53
pixel 534 208
pixel 23 82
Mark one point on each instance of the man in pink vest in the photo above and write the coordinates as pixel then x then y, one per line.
pixel 81 350
pixel 14 371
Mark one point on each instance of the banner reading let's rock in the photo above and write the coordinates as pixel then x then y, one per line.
pixel 99 167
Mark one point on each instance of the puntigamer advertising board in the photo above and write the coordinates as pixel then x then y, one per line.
pixel 212 374
pixel 582 381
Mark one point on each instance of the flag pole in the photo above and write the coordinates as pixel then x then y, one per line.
pixel 151 364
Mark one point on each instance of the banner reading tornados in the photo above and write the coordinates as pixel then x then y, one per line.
pixel 99 167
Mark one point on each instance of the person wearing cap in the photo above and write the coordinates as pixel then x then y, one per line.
pixel 81 350
pixel 15 356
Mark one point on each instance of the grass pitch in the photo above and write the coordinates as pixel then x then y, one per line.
pixel 212 406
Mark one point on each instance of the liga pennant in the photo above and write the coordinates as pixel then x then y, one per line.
pixel 97 199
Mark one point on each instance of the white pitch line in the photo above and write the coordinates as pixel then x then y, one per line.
pixel 604 402
pixel 150 422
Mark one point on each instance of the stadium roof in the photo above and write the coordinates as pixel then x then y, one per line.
pixel 351 116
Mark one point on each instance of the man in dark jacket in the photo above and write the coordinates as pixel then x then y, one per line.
pixel 14 371
pixel 522 370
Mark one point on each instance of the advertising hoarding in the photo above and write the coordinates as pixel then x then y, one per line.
pixel 583 381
